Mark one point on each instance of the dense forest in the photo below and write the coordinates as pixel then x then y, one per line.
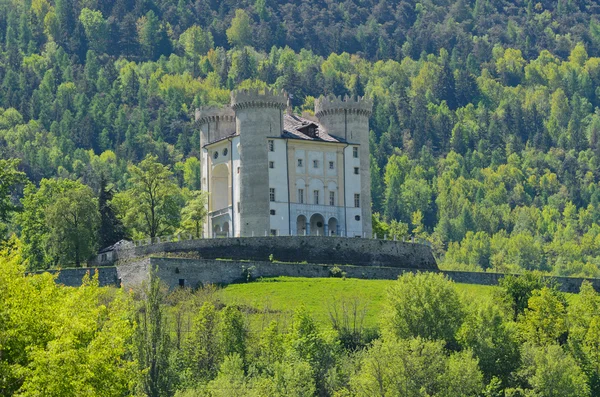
pixel 485 130
pixel 527 339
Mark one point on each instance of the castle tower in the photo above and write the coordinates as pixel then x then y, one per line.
pixel 215 123
pixel 258 116
pixel 348 118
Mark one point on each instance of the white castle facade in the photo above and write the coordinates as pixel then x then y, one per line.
pixel 268 171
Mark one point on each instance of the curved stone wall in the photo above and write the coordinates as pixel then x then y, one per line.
pixel 309 249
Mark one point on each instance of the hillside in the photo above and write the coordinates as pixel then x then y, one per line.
pixel 485 133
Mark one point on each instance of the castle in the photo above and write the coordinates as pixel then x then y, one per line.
pixel 268 171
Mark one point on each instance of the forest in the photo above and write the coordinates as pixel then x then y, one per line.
pixel 485 141
pixel 527 339
pixel 485 134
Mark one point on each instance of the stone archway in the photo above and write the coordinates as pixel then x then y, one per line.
pixel 317 225
pixel 226 229
pixel 332 227
pixel 301 226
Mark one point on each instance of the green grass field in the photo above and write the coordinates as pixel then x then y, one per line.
pixel 284 294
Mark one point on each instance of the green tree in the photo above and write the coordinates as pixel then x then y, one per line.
pixel 59 223
pixel 550 371
pixel 73 220
pixel 153 343
pixel 10 177
pixel 239 33
pixel 194 213
pixel 544 321
pixel 95 28
pixel 424 305
pixel 151 205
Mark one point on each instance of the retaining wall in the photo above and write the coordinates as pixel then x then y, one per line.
pixel 196 272
pixel 310 249
pixel 72 277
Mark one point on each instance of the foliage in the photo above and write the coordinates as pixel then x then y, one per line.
pixel 150 206
pixel 423 305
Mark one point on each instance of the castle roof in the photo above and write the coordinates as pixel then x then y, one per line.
pixel 296 127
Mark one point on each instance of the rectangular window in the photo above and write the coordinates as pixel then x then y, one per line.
pixel 331 198
pixel 301 196
pixel 316 197
pixel 273 232
pixel 238 170
pixel 355 152
pixel 331 165
pixel 315 163
pixel 271 145
pixel 238 207
pixel 300 164
pixel 272 212
pixel 357 200
pixel 271 164
pixel 272 194
pixel 356 170
pixel 182 282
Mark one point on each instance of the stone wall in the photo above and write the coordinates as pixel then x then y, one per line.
pixel 72 277
pixel 193 272
pixel 310 249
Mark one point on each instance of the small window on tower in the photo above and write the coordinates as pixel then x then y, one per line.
pixel 238 170
pixel 271 145
pixel 271 164
pixel 272 212
pixel 238 207
pixel 357 200
pixel 272 194
pixel 356 171
pixel 355 152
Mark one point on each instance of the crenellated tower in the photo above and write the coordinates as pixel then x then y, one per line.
pixel 215 123
pixel 258 116
pixel 348 118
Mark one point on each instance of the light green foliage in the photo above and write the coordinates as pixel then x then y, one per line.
pixel 425 305
pixel 544 320
pixel 552 372
pixel 233 332
pixel 492 338
pixel 57 341
pixel 416 367
pixel 584 333
pixel 196 42
pixel 151 205
pixel 240 32
pixel 60 222
pixel 153 343
pixel 518 290
pixel 95 28
pixel 194 213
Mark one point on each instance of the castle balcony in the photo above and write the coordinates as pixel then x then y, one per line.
pixel 317 220
pixel 220 222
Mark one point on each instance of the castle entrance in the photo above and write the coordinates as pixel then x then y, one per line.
pixel 317 225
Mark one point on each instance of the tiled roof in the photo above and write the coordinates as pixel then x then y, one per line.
pixel 293 124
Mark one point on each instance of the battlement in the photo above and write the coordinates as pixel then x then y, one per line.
pixel 254 98
pixel 331 104
pixel 208 114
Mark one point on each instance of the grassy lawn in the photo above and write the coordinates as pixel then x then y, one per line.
pixel 283 294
